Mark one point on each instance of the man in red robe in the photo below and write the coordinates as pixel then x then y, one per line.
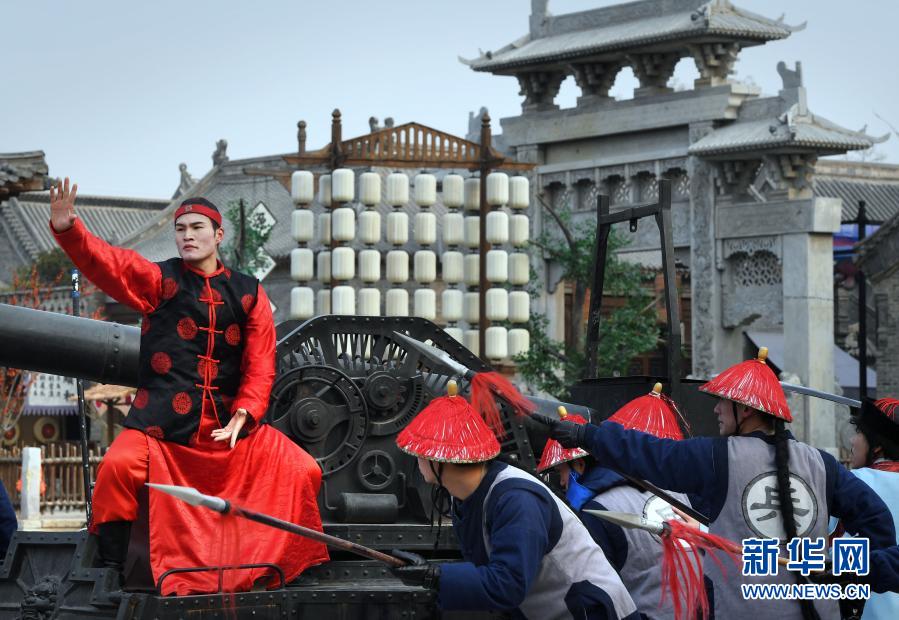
pixel 207 362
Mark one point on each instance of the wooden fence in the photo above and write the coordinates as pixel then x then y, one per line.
pixel 62 488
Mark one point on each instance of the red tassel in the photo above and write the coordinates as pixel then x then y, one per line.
pixel 485 388
pixel 682 575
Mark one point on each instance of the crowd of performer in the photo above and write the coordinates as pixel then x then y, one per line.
pixel 206 370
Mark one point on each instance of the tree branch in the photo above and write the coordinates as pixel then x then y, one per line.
pixel 569 238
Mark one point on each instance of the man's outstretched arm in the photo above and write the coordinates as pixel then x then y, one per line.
pixel 122 274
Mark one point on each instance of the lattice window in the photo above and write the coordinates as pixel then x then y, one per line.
pixel 757 269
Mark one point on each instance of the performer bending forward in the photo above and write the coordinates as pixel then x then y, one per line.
pixel 207 362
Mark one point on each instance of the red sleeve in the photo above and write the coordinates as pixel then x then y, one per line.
pixel 258 363
pixel 124 275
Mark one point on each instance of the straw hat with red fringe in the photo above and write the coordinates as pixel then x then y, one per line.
pixel 655 413
pixel 553 453
pixel 448 430
pixel 754 384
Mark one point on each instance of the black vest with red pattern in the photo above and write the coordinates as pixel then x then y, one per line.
pixel 191 348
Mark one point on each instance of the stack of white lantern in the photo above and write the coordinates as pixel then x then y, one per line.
pixel 343 230
pixel 397 234
pixel 519 266
pixel 323 259
pixel 452 259
pixel 302 304
pixel 425 259
pixel 497 303
pixel 472 224
pixel 369 301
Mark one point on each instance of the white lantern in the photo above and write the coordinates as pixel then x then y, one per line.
pixel 519 342
pixel 473 231
pixel 451 305
pixel 343 300
pixel 343 224
pixel 342 188
pixel 518 230
pixel 497 189
pixel 397 189
pixel 324 301
pixel 397 228
pixel 453 229
pixel 369 265
pixel 301 191
pixel 519 307
pixel 426 303
pixel 519 269
pixel 369 227
pixel 472 269
pixel 397 266
pixel 497 304
pixel 323 266
pixel 497 266
pixel 519 192
pixel 324 227
pixel 453 270
pixel 302 303
pixel 471 338
pixel 425 262
pixel 302 225
pixel 497 343
pixel 453 191
pixel 472 194
pixel 370 188
pixel 397 302
pixel 454 332
pixel 368 302
pixel 497 227
pixel 324 189
pixel 343 264
pixel 472 309
pixel 425 228
pixel 301 265
pixel 425 190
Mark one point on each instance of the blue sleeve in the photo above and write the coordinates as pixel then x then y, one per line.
pixel 8 522
pixel 519 537
pixel 607 535
pixel 885 570
pixel 860 509
pixel 696 466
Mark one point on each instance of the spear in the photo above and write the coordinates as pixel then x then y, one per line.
pixel 807 391
pixel 223 506
pixel 442 358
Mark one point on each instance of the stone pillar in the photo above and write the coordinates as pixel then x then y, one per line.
pixel 30 507
pixel 808 328
pixel 888 336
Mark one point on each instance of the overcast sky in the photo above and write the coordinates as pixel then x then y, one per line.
pixel 117 94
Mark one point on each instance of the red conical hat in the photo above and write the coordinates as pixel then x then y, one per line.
pixel 653 413
pixel 553 453
pixel 754 384
pixel 449 431
pixel 889 407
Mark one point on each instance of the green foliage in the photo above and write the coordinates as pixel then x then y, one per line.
pixel 51 268
pixel 249 255
pixel 550 365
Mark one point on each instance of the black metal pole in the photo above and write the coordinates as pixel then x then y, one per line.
pixel 82 416
pixel 599 277
pixel 663 219
pixel 862 220
pixel 483 246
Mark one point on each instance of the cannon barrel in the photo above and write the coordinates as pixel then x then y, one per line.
pixel 70 346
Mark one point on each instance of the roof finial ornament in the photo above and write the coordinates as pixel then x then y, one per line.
pixel 301 137
pixel 220 155
pixel 186 181
pixel 374 124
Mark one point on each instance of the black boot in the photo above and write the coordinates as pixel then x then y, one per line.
pixel 113 544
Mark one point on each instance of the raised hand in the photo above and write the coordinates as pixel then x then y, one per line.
pixel 62 206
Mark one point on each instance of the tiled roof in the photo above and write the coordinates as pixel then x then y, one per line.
pixel 790 132
pixel 112 219
pixel 876 184
pixel 22 172
pixel 625 27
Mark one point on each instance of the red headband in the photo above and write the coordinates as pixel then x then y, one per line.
pixel 212 214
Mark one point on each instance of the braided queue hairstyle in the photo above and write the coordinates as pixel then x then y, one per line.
pixel 782 463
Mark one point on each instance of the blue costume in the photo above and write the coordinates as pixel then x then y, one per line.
pixel 8 524
pixel 725 472
pixel 527 553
